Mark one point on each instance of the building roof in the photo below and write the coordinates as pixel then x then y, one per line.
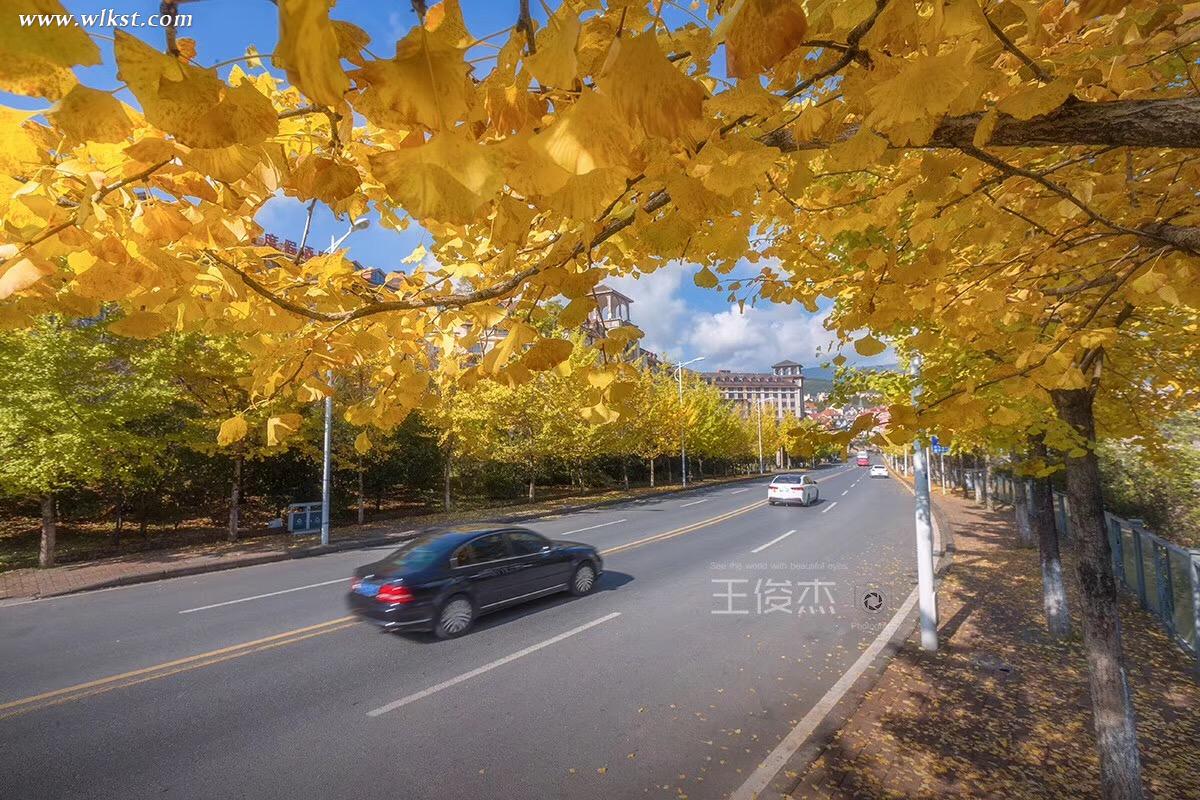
pixel 785 363
pixel 601 289
pixel 725 378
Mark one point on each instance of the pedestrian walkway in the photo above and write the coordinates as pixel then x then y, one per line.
pixel 1002 710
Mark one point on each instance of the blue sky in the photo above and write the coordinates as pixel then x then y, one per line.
pixel 679 318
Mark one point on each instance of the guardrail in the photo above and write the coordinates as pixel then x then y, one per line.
pixel 1164 576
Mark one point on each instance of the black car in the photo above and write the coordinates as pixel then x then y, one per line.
pixel 442 581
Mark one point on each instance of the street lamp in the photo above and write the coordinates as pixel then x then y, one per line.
pixel 682 425
pixel 362 223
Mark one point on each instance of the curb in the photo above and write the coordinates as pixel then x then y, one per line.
pixel 349 544
pixel 823 735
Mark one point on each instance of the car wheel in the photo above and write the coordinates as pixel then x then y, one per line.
pixel 455 618
pixel 770 502
pixel 583 580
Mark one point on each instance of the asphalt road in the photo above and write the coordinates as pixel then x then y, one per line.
pixel 720 621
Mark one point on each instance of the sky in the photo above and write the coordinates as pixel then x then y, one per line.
pixel 680 319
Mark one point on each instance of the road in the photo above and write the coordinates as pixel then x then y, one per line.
pixel 675 678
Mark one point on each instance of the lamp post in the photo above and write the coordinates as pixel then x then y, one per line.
pixel 682 424
pixel 362 223
pixel 758 404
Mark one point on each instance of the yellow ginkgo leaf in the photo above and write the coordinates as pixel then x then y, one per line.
pixel 193 104
pixel 706 278
pixel 425 84
pixel 362 443
pixel 310 52
pixel 588 136
pixel 447 179
pixel 759 33
pixel 18 150
pixel 651 91
pixel 1037 100
pixel 547 353
pixel 87 114
pixel 869 346
pixel 18 277
pixel 140 325
pixel 323 178
pixel 556 63
pixel 281 427
pixel 921 90
pixel 232 430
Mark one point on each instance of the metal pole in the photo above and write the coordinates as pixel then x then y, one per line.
pixel 942 456
pixel 760 453
pixel 924 525
pixel 327 461
pixel 682 428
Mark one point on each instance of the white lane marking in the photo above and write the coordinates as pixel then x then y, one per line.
pixel 739 491
pixel 766 771
pixel 761 778
pixel 261 596
pixel 829 507
pixel 466 676
pixel 696 502
pixel 845 493
pixel 773 541
pixel 592 527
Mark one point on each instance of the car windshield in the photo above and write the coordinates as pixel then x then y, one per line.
pixel 418 553
pixel 788 479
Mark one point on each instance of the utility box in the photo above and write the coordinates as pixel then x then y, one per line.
pixel 304 518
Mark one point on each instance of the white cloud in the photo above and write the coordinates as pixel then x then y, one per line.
pixel 658 308
pixel 750 340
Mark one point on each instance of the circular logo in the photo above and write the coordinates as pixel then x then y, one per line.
pixel 872 601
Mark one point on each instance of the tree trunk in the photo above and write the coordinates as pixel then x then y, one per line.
pixel 625 473
pixel 1021 488
pixel 651 473
pixel 235 499
pixel 989 493
pixel 49 532
pixel 120 519
pixel 362 494
pixel 670 471
pixel 446 481
pixel 532 485
pixel 1116 732
pixel 1041 521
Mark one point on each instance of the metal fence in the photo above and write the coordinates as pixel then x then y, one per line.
pixel 1164 576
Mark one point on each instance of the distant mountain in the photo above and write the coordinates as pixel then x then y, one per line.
pixel 822 373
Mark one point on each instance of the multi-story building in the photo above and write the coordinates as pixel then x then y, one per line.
pixel 782 388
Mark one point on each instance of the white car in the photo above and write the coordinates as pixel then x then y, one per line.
pixel 878 471
pixel 788 489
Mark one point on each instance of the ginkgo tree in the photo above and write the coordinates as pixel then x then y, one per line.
pixel 1023 171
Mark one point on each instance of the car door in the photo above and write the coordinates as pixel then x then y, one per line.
pixel 485 564
pixel 811 493
pixel 542 566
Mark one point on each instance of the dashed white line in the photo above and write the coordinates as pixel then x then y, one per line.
pixel 739 491
pixel 829 507
pixel 592 527
pixel 773 541
pixel 466 676
pixel 261 596
pixel 696 502
pixel 845 493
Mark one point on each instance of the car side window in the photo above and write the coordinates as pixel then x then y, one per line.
pixel 484 549
pixel 525 543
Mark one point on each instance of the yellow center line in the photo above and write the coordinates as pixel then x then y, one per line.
pixel 145 674
pixel 658 537
pixel 200 659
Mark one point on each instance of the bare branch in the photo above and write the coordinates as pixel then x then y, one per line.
pixel 1037 71
pixel 525 24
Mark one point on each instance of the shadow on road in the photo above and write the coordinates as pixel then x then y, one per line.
pixel 609 581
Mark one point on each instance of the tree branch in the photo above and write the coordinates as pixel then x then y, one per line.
pixel 1037 71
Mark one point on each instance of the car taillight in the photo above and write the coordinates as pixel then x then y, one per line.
pixel 394 594
pixel 355 583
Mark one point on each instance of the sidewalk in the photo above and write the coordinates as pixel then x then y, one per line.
pixel 24 584
pixel 1002 710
